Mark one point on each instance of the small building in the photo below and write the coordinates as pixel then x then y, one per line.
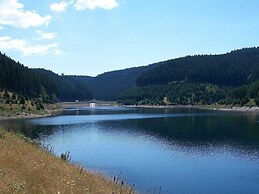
pixel 92 104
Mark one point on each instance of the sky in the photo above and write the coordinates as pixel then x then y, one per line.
pixel 89 37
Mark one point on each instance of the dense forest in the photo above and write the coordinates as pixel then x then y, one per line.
pixel 204 79
pixel 178 93
pixel 39 83
pixel 231 69
pixel 109 85
pixel 231 78
pixel 67 88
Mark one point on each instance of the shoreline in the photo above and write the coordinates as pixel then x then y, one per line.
pixel 27 167
pixel 63 105
pixel 24 115
pixel 68 175
pixel 87 104
pixel 204 107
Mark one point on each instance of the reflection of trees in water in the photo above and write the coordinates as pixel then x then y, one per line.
pixel 27 129
pixel 197 129
pixel 203 128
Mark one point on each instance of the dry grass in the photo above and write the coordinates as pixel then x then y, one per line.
pixel 27 168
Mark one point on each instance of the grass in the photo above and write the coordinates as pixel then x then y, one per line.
pixel 15 107
pixel 16 110
pixel 25 167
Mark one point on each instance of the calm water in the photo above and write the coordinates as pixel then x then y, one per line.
pixel 181 150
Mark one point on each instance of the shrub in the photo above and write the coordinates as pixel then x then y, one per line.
pixel 66 156
pixel 39 106
pixel 14 96
pixel 22 100
pixel 2 134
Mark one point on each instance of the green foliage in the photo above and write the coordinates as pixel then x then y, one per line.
pixel 39 104
pixel 178 93
pixel 2 134
pixel 67 88
pixel 108 86
pixel 228 70
pixel 22 100
pixel 257 101
pixel 6 95
pixel 226 79
pixel 37 83
pixel 13 96
pixel 242 95
pixel 231 69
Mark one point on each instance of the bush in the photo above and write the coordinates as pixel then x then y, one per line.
pixel 66 156
pixel 22 100
pixel 2 134
pixel 14 96
pixel 39 106
pixel 6 95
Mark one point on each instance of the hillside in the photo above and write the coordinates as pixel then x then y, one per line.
pixel 204 79
pixel 109 85
pixel 200 79
pixel 39 83
pixel 28 168
pixel 68 89
pixel 232 69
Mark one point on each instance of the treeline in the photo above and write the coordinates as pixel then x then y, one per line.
pixel 173 94
pixel 67 88
pixel 18 101
pixel 203 79
pixel 226 79
pixel 39 83
pixel 191 94
pixel 231 69
pixel 243 95
pixel 109 85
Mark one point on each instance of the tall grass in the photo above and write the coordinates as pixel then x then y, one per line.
pixel 2 134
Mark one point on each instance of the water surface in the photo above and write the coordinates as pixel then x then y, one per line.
pixel 181 150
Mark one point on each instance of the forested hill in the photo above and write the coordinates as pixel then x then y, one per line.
pixel 68 89
pixel 231 69
pixel 109 85
pixel 39 83
pixel 230 78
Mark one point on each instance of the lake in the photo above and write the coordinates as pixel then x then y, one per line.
pixel 180 150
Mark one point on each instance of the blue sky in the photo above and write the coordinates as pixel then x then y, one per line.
pixel 89 37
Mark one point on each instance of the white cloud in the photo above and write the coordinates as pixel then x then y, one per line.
pixel 47 36
pixel 58 52
pixel 27 49
pixel 59 7
pixel 12 13
pixel 92 4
